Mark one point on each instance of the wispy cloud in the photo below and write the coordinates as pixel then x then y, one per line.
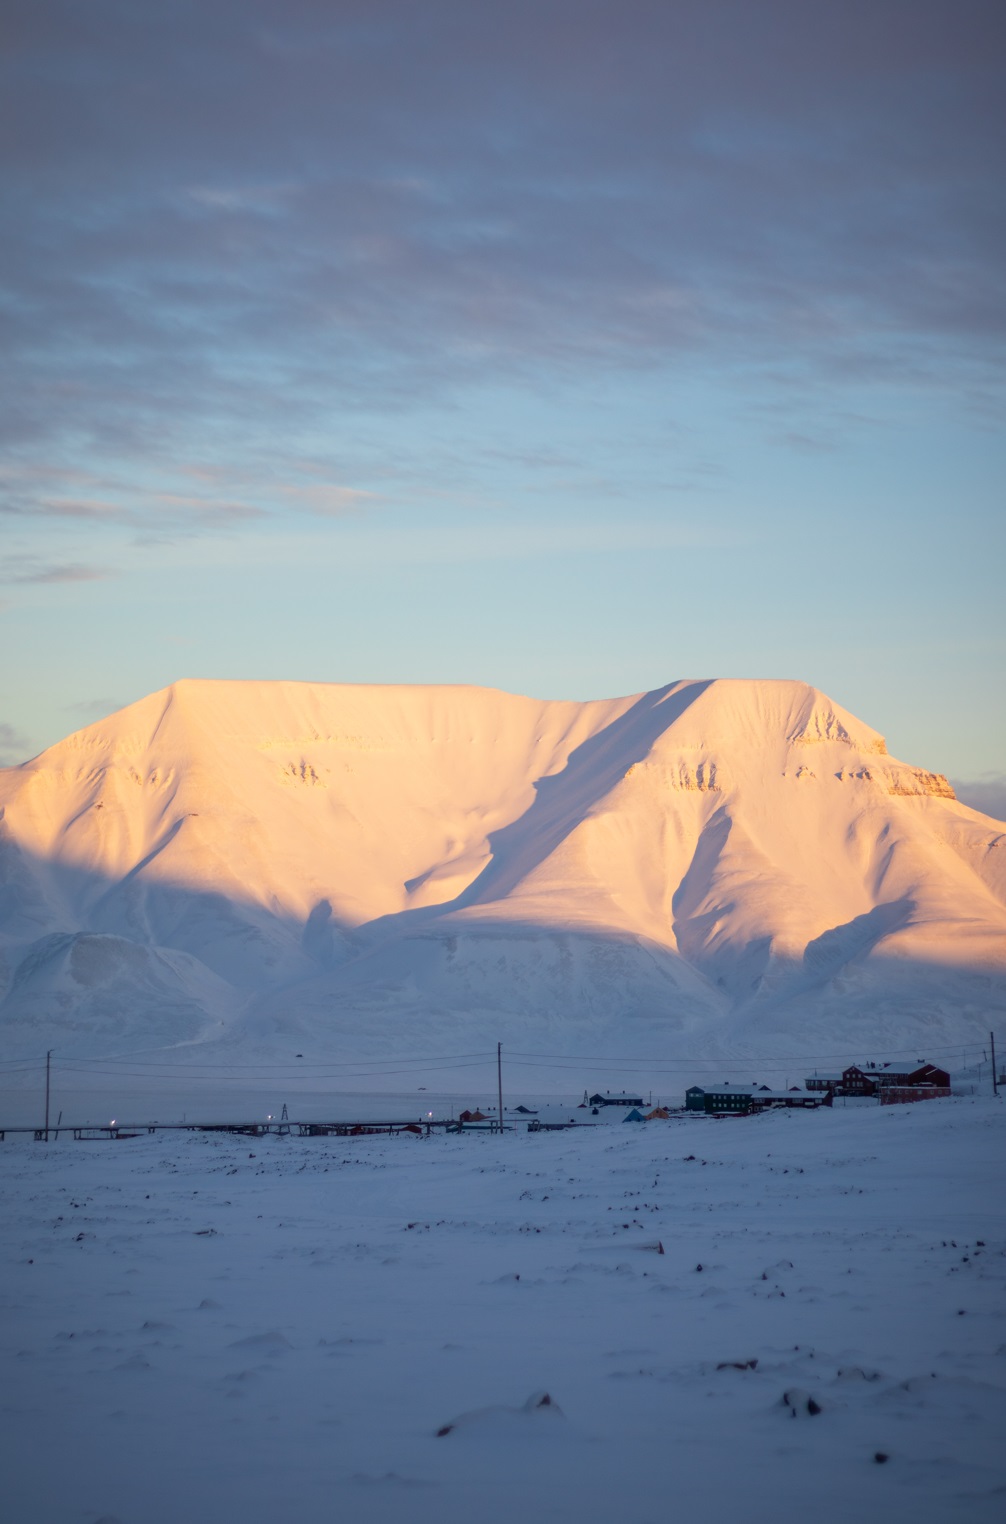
pixel 215 510
pixel 30 572
pixel 92 509
pixel 69 573
pixel 676 186
pixel 584 266
pixel 329 500
pixel 26 492
pixel 167 509
pixel 986 793
pixel 15 746
pixel 262 199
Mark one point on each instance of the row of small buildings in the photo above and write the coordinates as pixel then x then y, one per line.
pixel 742 1100
pixel 888 1083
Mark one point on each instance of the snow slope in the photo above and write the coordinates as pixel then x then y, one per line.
pixel 722 866
pixel 232 1331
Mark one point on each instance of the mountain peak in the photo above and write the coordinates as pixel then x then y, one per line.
pixel 714 859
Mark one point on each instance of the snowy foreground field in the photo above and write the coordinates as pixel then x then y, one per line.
pixel 215 1330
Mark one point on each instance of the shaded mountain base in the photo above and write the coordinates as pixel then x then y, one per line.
pixel 445 986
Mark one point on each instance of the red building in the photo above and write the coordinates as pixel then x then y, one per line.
pixel 921 1081
pixel 893 1095
pixel 856 1081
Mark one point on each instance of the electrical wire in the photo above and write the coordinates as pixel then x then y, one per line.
pixel 760 1058
pixel 512 1055
pixel 270 1068
pixel 360 1073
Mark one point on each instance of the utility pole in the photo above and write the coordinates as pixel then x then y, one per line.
pixel 995 1082
pixel 48 1061
pixel 499 1081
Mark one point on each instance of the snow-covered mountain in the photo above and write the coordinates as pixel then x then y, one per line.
pixel 713 866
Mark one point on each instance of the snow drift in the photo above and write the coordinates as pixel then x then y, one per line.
pixel 712 866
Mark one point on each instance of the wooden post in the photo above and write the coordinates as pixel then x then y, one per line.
pixel 499 1080
pixel 48 1058
pixel 995 1083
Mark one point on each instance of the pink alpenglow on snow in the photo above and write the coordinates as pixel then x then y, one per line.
pixel 714 866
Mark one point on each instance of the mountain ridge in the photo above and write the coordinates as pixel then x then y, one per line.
pixel 724 853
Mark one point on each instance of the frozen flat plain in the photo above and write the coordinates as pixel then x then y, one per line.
pixel 202 1329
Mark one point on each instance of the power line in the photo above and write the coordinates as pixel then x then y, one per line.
pixel 749 1058
pixel 305 1067
pixel 175 1076
pixel 368 1068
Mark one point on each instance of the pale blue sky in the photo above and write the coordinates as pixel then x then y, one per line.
pixel 564 348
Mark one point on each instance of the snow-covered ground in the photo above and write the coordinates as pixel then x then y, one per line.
pixel 223 1330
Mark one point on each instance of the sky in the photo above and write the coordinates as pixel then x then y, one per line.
pixel 564 346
